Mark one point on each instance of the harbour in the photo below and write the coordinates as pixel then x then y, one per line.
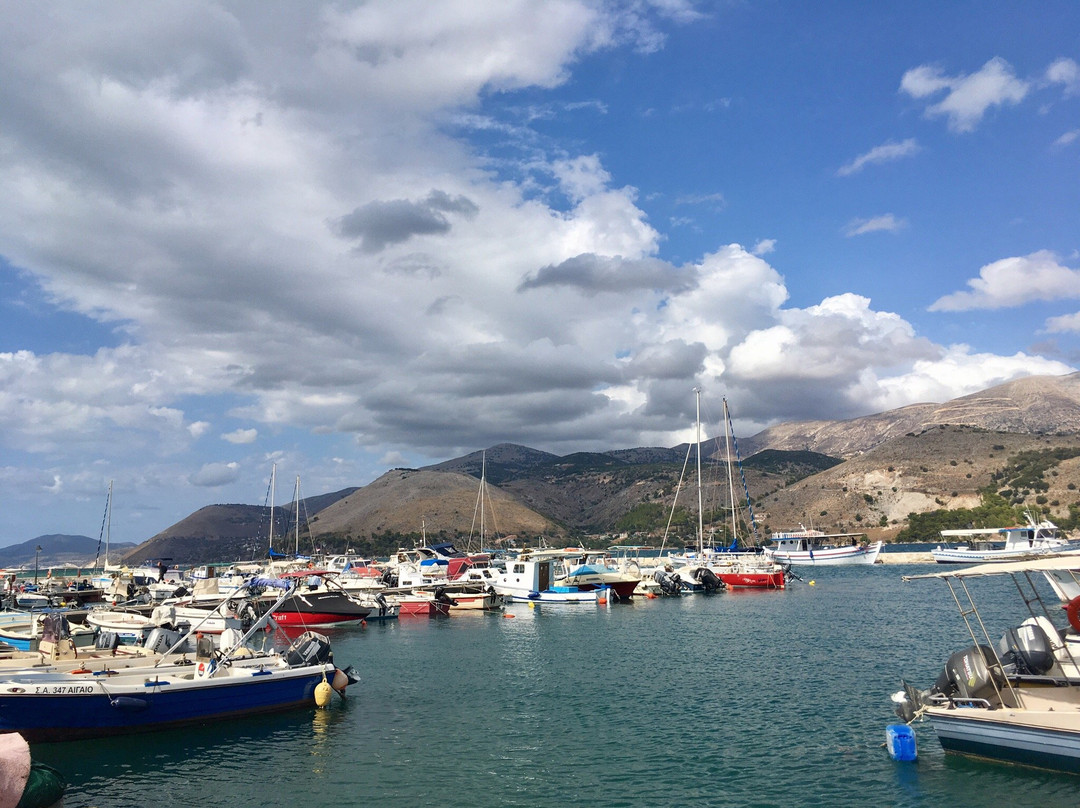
pixel 737 698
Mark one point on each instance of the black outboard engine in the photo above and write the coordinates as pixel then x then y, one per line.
pixel 442 597
pixel 968 674
pixel 310 648
pixel 707 578
pixel 383 606
pixel 1026 650
pixel 669 582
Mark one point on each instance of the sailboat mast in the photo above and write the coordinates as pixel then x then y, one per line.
pixel 108 524
pixel 700 511
pixel 273 481
pixel 297 552
pixel 483 485
pixel 730 478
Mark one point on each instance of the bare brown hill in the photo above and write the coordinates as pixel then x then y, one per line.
pixel 404 501
pixel 1033 405
pixel 943 467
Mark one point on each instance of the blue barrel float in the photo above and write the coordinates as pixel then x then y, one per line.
pixel 900 741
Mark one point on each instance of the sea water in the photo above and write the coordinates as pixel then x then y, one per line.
pixel 736 699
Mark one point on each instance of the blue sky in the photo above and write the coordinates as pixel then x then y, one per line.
pixel 346 237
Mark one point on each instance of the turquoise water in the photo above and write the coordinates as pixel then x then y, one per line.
pixel 735 699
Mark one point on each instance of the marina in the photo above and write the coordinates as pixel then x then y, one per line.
pixel 631 704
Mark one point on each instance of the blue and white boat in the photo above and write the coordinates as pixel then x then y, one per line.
pixel 987 545
pixel 216 685
pixel 532 578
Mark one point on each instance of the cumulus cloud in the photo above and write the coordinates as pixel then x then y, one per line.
pixel 967 97
pixel 887 222
pixel 765 246
pixel 595 273
pixel 1065 323
pixel 1065 72
pixel 215 475
pixel 1013 282
pixel 885 153
pixel 379 224
pixel 241 436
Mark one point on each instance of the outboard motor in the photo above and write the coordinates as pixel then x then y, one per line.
pixel 107 641
pixel 968 674
pixel 161 639
pixel 381 600
pixel 669 582
pixel 707 578
pixel 310 648
pixel 442 597
pixel 1026 650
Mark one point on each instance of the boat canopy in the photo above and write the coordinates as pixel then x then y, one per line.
pixel 1050 563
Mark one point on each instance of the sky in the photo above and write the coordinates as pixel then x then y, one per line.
pixel 339 238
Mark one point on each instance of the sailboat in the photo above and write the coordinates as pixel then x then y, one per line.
pixel 110 573
pixel 729 566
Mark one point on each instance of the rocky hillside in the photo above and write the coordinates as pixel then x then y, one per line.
pixel 1034 405
pixel 863 474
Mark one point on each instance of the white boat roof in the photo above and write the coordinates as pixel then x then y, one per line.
pixel 1046 563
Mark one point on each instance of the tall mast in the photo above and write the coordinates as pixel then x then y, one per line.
pixel 297 551
pixel 700 513
pixel 108 523
pixel 273 481
pixel 483 485
pixel 730 479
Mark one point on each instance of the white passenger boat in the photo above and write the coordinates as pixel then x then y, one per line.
pixel 985 545
pixel 807 546
pixel 1017 700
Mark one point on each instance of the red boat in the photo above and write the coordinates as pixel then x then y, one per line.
pixel 321 603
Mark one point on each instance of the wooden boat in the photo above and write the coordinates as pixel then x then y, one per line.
pixel 807 546
pixel 986 545
pixel 1016 700
pixel 60 706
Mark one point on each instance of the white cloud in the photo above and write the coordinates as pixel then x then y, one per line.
pixel 215 475
pixel 1066 72
pixel 1068 138
pixel 887 223
pixel 885 153
pixel 1066 323
pixel 968 97
pixel 765 246
pixel 241 436
pixel 1013 282
pixel 198 428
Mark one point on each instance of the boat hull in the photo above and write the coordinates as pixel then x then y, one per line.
pixel 753 580
pixel 952 555
pixel 973 732
pixel 828 556
pixel 55 709
pixel 320 609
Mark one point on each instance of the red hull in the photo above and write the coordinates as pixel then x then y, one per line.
pixel 753 580
pixel 292 619
pixel 423 608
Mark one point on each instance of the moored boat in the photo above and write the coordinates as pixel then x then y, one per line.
pixel 1016 700
pixel 987 545
pixel 218 684
pixel 807 546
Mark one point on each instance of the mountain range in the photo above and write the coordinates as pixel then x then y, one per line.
pixel 866 474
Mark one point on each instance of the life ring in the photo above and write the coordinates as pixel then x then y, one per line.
pixel 202 668
pixel 1072 610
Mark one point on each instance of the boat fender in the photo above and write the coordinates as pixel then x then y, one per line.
pixel 129 703
pixel 82 670
pixel 323 693
pixel 1072 611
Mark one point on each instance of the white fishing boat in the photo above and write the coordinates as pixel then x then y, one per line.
pixel 1015 700
pixel 807 546
pixel 987 545
pixel 532 579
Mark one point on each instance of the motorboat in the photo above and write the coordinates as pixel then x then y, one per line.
pixel 807 546
pixel 532 578
pixel 319 601
pixel 218 684
pixel 986 545
pixel 1017 699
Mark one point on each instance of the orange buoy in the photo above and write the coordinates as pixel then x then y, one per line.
pixel 507 615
